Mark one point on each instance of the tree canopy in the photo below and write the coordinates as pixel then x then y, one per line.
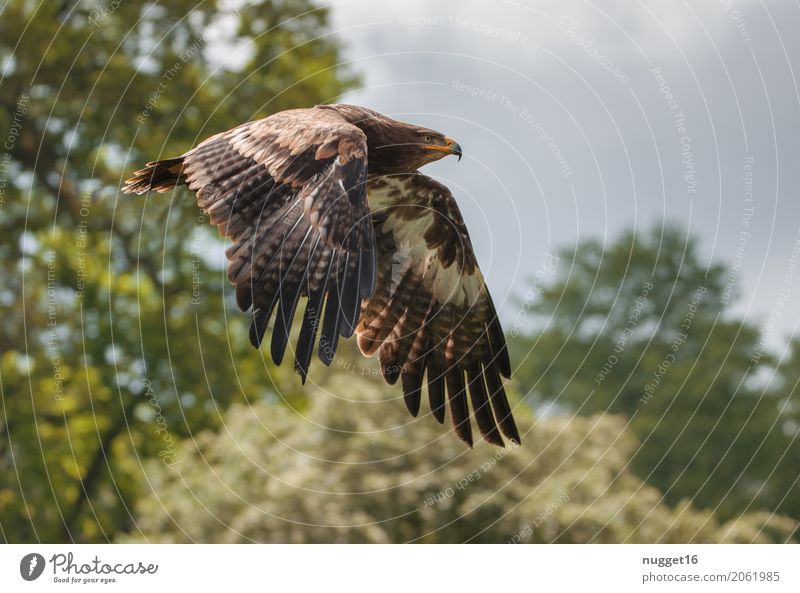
pixel 641 327
pixel 356 468
pixel 116 338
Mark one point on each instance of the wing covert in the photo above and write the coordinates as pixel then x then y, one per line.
pixel 289 192
pixel 431 318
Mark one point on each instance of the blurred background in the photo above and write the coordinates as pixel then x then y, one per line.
pixel 629 182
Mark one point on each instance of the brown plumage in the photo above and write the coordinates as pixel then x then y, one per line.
pixel 327 204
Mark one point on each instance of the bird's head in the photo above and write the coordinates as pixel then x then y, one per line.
pixel 433 145
pixel 404 147
pixel 396 146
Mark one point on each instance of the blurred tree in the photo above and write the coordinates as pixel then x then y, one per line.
pixel 361 470
pixel 640 327
pixel 117 336
pixel 784 483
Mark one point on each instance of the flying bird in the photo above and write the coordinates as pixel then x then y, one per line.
pixel 327 204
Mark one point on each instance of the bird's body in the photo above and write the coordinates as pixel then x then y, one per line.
pixel 327 203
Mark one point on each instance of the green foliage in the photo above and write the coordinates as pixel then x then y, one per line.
pixel 641 327
pixel 118 335
pixel 120 342
pixel 356 468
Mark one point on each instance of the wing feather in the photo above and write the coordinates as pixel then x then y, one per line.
pixel 431 313
pixel 436 391
pixel 456 391
pixel 289 192
pixel 311 320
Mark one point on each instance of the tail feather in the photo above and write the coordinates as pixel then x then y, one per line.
pixel 160 176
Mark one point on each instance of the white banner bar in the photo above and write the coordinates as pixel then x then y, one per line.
pixel 400 569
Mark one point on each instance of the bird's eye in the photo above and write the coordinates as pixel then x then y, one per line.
pixel 428 138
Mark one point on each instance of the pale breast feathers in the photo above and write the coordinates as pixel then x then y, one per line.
pixel 429 230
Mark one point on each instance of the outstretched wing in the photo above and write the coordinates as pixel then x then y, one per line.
pixel 431 314
pixel 289 192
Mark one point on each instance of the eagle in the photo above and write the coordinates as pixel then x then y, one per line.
pixel 327 204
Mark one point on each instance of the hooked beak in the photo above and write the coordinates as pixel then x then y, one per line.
pixel 450 147
pixel 454 147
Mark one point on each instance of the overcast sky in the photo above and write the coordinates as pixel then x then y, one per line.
pixel 580 120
